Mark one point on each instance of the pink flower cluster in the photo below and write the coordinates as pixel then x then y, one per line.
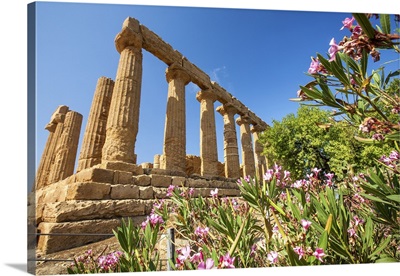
pixel 202 232
pixel 109 262
pixel 197 258
pixel 153 219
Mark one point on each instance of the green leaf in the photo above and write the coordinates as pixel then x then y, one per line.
pixel 382 246
pixel 365 24
pixel 385 23
pixel 323 241
pixel 394 198
pixel 386 260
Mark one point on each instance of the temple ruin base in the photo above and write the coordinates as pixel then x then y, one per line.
pixel 94 201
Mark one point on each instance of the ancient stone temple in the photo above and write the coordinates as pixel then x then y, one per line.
pixel 108 184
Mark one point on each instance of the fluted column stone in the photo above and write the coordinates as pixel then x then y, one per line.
pixel 67 146
pixel 247 147
pixel 123 118
pixel 95 132
pixel 174 148
pixel 231 152
pixel 258 149
pixel 55 127
pixel 208 136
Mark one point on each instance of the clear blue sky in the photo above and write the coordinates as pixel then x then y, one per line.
pixel 259 56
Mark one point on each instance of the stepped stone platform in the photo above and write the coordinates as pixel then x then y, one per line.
pixel 95 200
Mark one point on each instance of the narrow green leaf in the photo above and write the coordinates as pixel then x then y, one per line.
pixel 365 24
pixel 323 241
pixel 380 247
pixel 394 198
pixel 385 23
pixel 386 260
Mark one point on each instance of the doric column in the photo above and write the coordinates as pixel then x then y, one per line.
pixel 156 162
pixel 231 153
pixel 123 118
pixel 55 127
pixel 259 159
pixel 247 146
pixel 208 136
pixel 174 148
pixel 67 146
pixel 95 132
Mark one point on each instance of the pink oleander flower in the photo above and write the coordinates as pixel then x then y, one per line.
pixel 253 250
pixel 191 191
pixel 352 232
pixel 154 219
pixel 356 32
pixel 235 204
pixel 209 264
pixel 268 175
pixel 299 251
pixel 201 232
pixel 184 254
pixel 286 175
pixel 247 178
pixel 273 257
pixel 358 198
pixel 319 253
pixel 226 261
pixel 197 258
pixel 308 198
pixel 394 155
pixel 214 193
pixel 305 223
pixel 314 66
pixel 333 49
pixel 358 220
pixel 347 23
pixel 170 190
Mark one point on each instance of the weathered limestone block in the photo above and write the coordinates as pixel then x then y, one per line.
pixel 143 180
pixel 160 192
pixel 95 132
pixel 146 192
pixel 197 183
pixel 124 191
pixel 77 210
pixel 204 192
pixel 50 244
pixel 121 166
pixel 156 162
pixel 228 192
pixel 224 97
pixel 54 193
pixel 193 164
pixel 197 76
pixel 88 190
pixel 121 177
pixel 178 181
pixel 95 175
pixel 160 180
pixel 162 50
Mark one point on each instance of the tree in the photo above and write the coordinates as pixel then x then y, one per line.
pixel 312 139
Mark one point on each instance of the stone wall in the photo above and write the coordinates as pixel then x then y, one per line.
pixel 95 199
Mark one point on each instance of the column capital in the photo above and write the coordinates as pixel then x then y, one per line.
pixel 176 71
pixel 57 117
pixel 130 36
pixel 227 108
pixel 206 94
pixel 256 128
pixel 243 120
